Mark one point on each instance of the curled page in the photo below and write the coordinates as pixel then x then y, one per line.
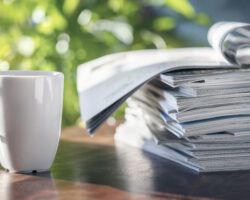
pixel 232 40
pixel 105 83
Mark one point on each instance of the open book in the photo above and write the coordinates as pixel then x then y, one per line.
pixel 105 83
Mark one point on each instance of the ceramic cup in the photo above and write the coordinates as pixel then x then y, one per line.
pixel 30 119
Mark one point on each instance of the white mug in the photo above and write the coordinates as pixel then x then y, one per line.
pixel 30 119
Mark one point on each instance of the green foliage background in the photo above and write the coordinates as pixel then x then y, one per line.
pixel 61 34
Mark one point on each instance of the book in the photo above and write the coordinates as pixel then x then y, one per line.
pixel 188 105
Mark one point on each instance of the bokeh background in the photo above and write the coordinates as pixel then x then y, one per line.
pixel 61 34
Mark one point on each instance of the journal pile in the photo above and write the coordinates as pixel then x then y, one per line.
pixel 188 105
pixel 197 118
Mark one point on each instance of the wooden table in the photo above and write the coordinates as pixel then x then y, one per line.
pixel 94 168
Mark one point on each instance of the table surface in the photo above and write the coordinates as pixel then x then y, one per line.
pixel 94 168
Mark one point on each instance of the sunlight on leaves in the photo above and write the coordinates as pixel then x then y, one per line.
pixel 59 35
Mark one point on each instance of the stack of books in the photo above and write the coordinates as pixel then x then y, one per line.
pixel 190 106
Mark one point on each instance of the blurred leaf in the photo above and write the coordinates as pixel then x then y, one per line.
pixel 116 5
pixel 154 39
pixel 69 6
pixel 181 6
pixel 52 22
pixel 203 19
pixel 164 23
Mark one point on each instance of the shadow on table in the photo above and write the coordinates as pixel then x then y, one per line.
pixel 131 170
